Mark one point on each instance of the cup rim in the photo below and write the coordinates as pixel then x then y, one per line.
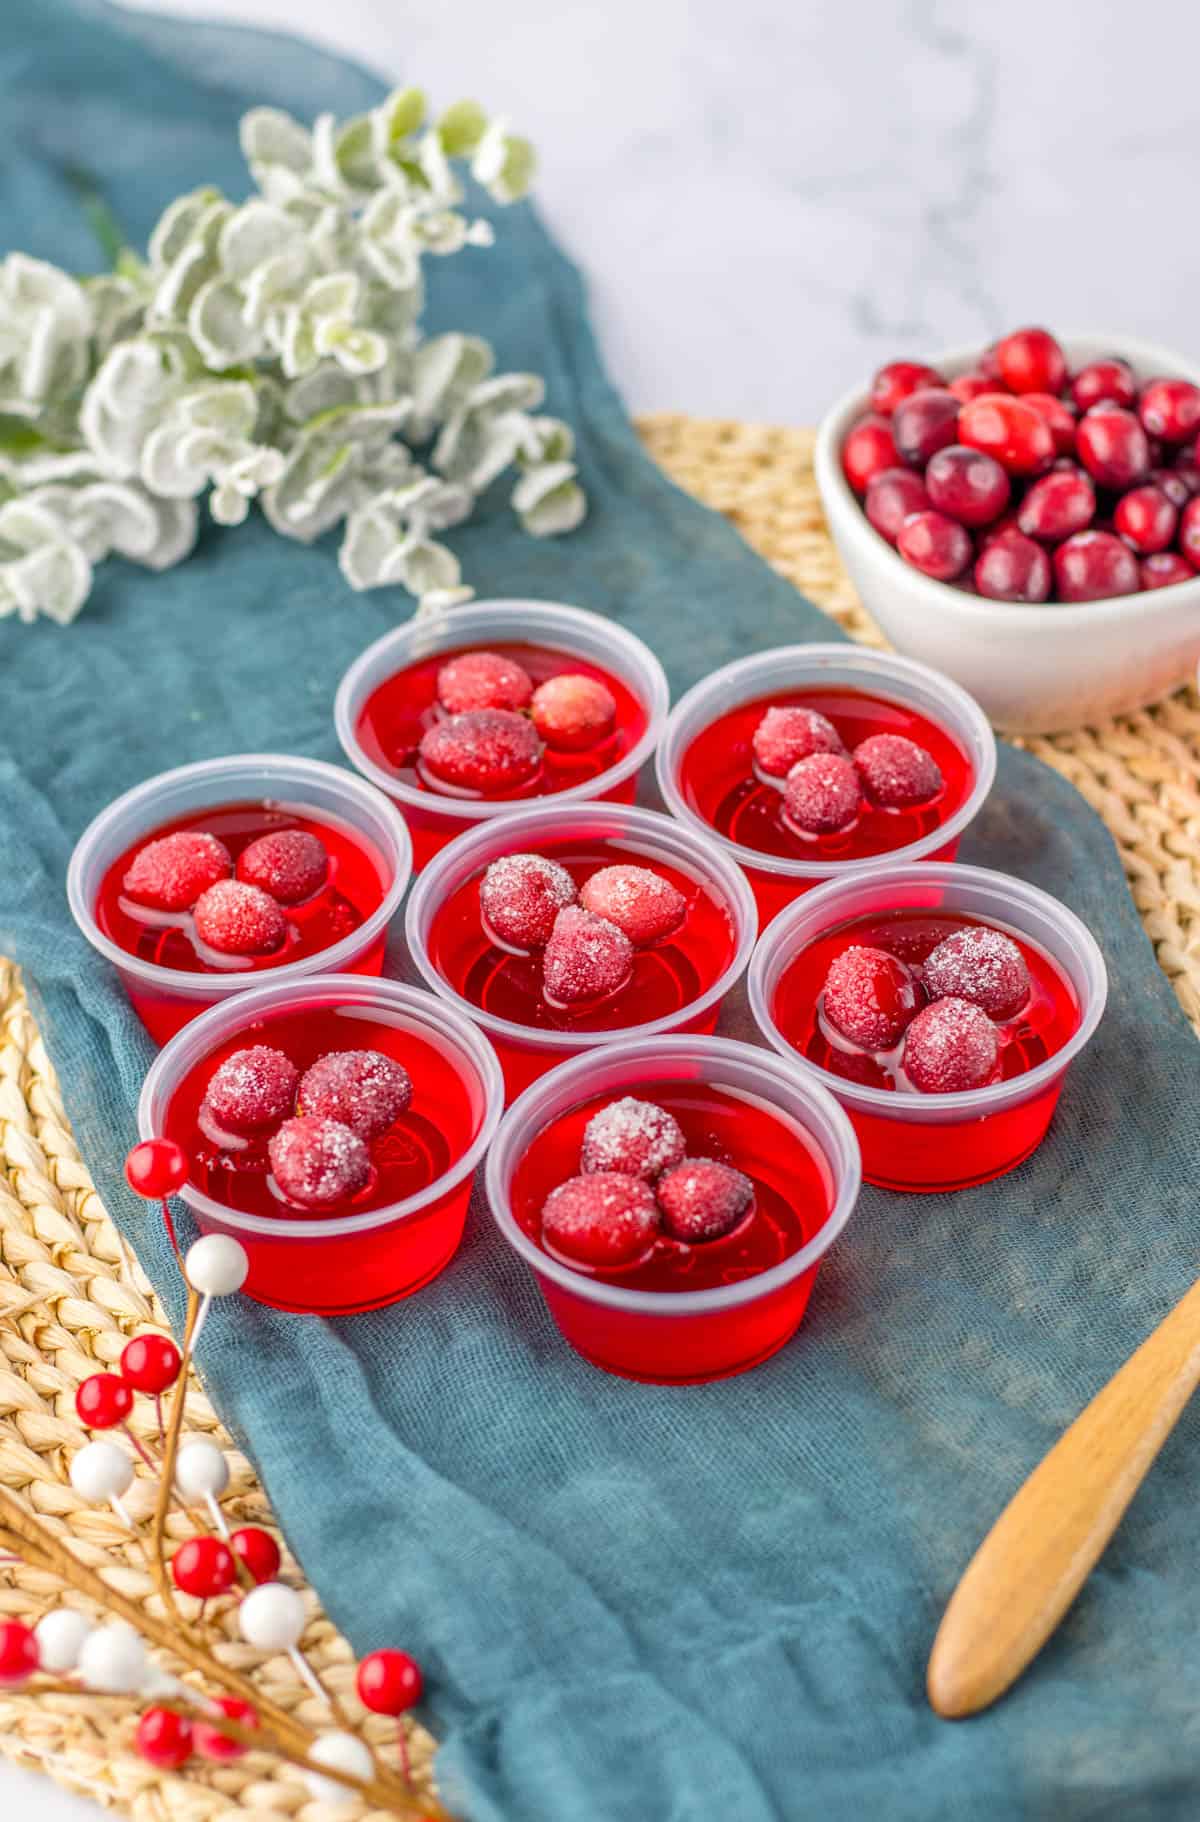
pixel 846 1169
pixel 779 947
pixel 717 867
pixel 292 768
pixel 165 1073
pixel 874 664
pixel 555 615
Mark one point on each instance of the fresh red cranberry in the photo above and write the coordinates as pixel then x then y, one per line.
pixel 1030 360
pixel 204 1566
pixel 164 1739
pixel 891 495
pixel 970 386
pixel 156 1167
pixel 896 381
pixel 364 1089
pixel 635 1138
pixel 868 449
pixel 257 1552
pixel 103 1401
pixel 897 773
pixel 1170 409
pixel 1011 567
pixel 968 485
pixel 1166 568
pixel 605 1220
pixel 482 680
pixel 1101 382
pixel 1061 419
pixel 935 544
pixel 923 423
pixel 1010 430
pixel 251 1090
pixel 572 712
pixel 151 1363
pixel 1112 446
pixel 1189 532
pixel 235 919
pixel 637 900
pixel 1189 474
pixel 170 874
pixel 1057 504
pixel 821 795
pixel 1173 483
pixel 703 1200
pixel 870 997
pixel 19 1656
pixel 317 1163
pixel 981 965
pixel 484 750
pixel 389 1682
pixel 520 895
pixel 290 864
pixel 1146 519
pixel 211 1744
pixel 1092 565
pixel 785 736
pixel 949 1046
pixel 587 958
pixel 989 365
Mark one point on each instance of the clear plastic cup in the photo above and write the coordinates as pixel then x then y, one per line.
pixel 334 1266
pixel 526 1051
pixel 434 819
pixel 679 1337
pixel 940 1141
pixel 778 879
pixel 166 998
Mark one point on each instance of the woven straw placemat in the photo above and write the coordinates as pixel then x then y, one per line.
pixel 71 1294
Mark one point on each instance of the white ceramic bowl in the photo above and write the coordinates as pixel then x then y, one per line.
pixel 1034 669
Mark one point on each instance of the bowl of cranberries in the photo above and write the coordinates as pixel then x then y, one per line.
pixel 1027 518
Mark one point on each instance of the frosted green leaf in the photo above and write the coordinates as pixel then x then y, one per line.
pixel 357 350
pixel 272 284
pixel 230 407
pixel 117 304
pixel 254 233
pixel 444 371
pixel 177 523
pixel 218 325
pixel 370 553
pixel 270 136
pixel 326 388
pixel 337 294
pixel 516 173
pixel 438 600
pixel 55 581
pixel 26 525
pixel 461 128
pixel 425 566
pixel 178 224
pixel 403 113
pixel 508 392
pixel 549 500
pixel 358 150
pixel 111 516
pixel 175 466
pixel 444 188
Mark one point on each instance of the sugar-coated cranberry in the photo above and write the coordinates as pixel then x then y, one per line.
pixel 923 423
pixel 1104 381
pixel 317 1163
pixel 821 795
pixel 204 1566
pixel 251 1090
pixel 950 1045
pixel 1059 416
pixel 970 486
pixel 637 900
pixel 981 965
pixel 635 1138
pixel 1189 532
pixel 164 1739
pixel 170 874
pixel 19 1655
pixel 587 958
pixel 785 736
pixel 1170 409
pixel 1011 567
pixel 389 1682
pixel 604 1220
pixel 520 895
pixel 482 680
pixel 1009 429
pixel 1057 504
pixel 703 1200
pixel 891 495
pixel 483 751
pixel 151 1363
pixel 364 1089
pixel 970 385
pixel 1146 519
pixel 1164 569
pixel 897 380
pixel 868 449
pixel 1173 483
pixel 572 712
pixel 103 1401
pixel 156 1167
pixel 257 1552
pixel 1030 360
pixel 211 1744
pixel 290 864
pixel 870 997
pixel 1093 565
pixel 896 772
pixel 1112 446
pixel 935 544
pixel 235 919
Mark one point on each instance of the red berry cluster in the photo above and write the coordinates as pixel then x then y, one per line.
pixel 150 1363
pixel 317 1129
pixel 941 1019
pixel 1024 482
pixel 801 753
pixel 635 1186
pixel 190 875
pixel 495 726
pixel 588 934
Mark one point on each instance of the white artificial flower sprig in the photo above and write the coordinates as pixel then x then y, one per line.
pixel 272 351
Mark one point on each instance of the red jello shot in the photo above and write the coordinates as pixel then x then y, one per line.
pixel 1015 1020
pixel 399 1218
pixel 711 780
pixel 685 1312
pixel 388 702
pixel 674 983
pixel 287 915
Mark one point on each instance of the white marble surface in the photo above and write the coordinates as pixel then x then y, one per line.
pixel 769 198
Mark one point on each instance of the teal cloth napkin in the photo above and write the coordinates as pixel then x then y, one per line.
pixel 629 1602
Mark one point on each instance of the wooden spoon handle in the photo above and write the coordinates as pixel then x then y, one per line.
pixel 1040 1551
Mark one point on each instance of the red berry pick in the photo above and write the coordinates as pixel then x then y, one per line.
pixel 204 1566
pixel 703 1200
pixel 18 1654
pixel 605 1220
pixel 211 1744
pixel 156 1168
pixel 164 1739
pixel 103 1401
pixel 389 1682
pixel 258 1553
pixel 151 1363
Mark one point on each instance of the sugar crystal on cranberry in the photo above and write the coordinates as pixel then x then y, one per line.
pixel 703 1200
pixel 897 773
pixel 170 873
pixel 784 736
pixel 572 712
pixel 520 895
pixel 290 864
pixel 482 751
pixel 982 965
pixel 587 958
pixel 236 919
pixel 605 1220
pixel 251 1090
pixel 950 1045
pixel 364 1089
pixel 482 680
pixel 318 1162
pixel 637 900
pixel 636 1138
pixel 821 795
pixel 870 997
